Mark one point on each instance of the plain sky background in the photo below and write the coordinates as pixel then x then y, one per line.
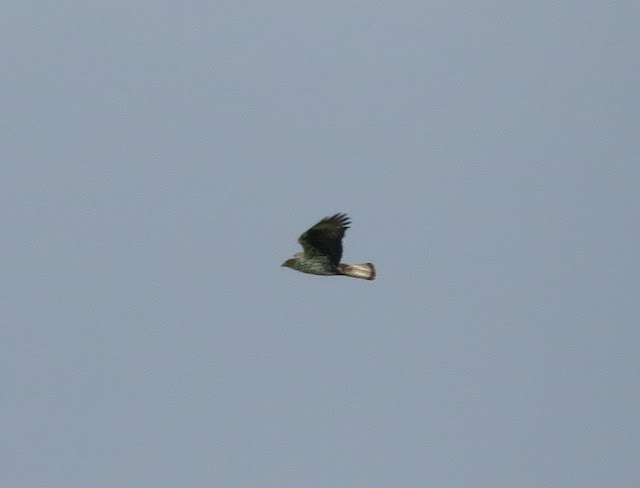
pixel 158 163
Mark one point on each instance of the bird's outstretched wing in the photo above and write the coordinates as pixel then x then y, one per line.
pixel 325 238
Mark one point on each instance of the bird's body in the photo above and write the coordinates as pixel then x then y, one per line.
pixel 318 265
pixel 322 246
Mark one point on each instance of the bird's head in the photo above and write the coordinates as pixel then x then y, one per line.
pixel 293 262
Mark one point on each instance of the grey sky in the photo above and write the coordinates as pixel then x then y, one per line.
pixel 159 161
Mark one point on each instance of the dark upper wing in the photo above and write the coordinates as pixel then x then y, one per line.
pixel 325 238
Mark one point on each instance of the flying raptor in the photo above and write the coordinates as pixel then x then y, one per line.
pixel 322 246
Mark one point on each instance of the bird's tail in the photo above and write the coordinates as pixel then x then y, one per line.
pixel 366 271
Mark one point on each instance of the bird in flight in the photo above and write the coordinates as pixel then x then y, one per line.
pixel 322 246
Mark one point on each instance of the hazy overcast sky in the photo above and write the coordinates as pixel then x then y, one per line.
pixel 159 161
